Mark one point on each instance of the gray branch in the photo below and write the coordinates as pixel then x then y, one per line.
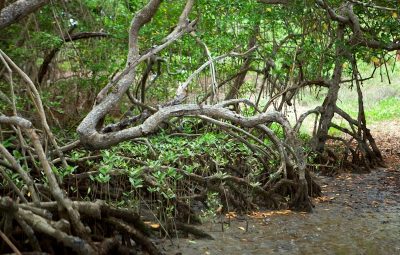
pixel 18 10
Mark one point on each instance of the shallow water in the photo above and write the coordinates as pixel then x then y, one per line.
pixel 360 214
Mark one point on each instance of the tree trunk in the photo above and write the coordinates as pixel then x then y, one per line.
pixel 329 104
pixel 233 92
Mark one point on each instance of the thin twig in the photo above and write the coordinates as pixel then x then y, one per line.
pixel 12 246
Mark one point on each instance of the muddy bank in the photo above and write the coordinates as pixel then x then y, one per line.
pixel 358 214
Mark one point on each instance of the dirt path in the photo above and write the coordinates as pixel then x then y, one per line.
pixel 358 214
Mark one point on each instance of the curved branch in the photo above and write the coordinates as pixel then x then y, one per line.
pixel 181 92
pixel 16 121
pixel 332 14
pixel 91 138
pixel 18 10
pixel 66 38
pixel 316 110
pixel 122 82
pixel 348 17
pixel 320 82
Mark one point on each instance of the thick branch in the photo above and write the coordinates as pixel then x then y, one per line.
pixel 122 82
pixel 347 17
pixel 332 14
pixel 95 140
pixel 19 10
pixel 16 121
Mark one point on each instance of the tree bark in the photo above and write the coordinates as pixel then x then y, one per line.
pixel 19 10
pixel 329 105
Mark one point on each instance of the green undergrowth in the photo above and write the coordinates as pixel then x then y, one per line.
pixel 155 169
pixel 159 156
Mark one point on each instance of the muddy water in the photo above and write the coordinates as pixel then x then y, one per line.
pixel 359 214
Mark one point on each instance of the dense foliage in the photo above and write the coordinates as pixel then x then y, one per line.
pixel 176 110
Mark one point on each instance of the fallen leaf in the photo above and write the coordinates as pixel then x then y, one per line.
pixel 375 203
pixel 231 215
pixel 155 225
pixel 152 225
pixel 283 212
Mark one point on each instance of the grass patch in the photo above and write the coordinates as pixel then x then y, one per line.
pixel 381 98
pixel 385 109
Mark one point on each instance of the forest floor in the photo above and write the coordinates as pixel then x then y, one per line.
pixel 357 214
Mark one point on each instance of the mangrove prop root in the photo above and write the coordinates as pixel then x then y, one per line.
pixel 301 201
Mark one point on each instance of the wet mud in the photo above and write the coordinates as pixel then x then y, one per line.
pixel 358 214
